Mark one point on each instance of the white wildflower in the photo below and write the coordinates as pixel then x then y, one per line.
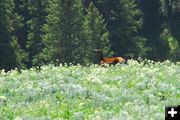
pixel 3 99
pixel 18 118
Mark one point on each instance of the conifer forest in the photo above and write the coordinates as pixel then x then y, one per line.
pixel 41 32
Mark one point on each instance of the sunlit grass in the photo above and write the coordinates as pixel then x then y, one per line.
pixel 134 91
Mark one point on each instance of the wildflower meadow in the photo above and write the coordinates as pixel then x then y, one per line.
pixel 133 91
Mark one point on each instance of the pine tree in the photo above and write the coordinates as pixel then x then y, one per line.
pixel 35 45
pixel 173 15
pixel 31 18
pixel 95 32
pixel 11 55
pixel 123 22
pixel 172 12
pixel 63 31
pixel 21 28
pixel 153 25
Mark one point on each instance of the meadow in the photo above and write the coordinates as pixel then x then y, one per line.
pixel 133 91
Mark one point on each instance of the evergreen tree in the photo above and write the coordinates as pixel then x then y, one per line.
pixel 172 11
pixel 21 28
pixel 35 45
pixel 95 32
pixel 11 55
pixel 123 22
pixel 63 32
pixel 174 49
pixel 153 25
pixel 29 32
pixel 173 15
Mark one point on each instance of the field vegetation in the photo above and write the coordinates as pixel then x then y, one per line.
pixel 133 91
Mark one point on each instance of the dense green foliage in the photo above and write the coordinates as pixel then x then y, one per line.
pixel 95 34
pixel 153 24
pixel 37 32
pixel 123 22
pixel 134 92
pixel 63 31
pixel 11 55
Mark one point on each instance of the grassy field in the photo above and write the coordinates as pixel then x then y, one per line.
pixel 122 92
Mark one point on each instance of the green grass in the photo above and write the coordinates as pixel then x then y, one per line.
pixel 134 92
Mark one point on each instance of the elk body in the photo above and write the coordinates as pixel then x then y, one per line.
pixel 107 60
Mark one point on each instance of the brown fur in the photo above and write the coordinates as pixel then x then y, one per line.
pixel 109 60
pixel 113 60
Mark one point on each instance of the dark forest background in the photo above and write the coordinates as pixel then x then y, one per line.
pixel 38 32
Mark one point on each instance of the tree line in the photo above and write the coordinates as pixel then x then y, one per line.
pixel 38 32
